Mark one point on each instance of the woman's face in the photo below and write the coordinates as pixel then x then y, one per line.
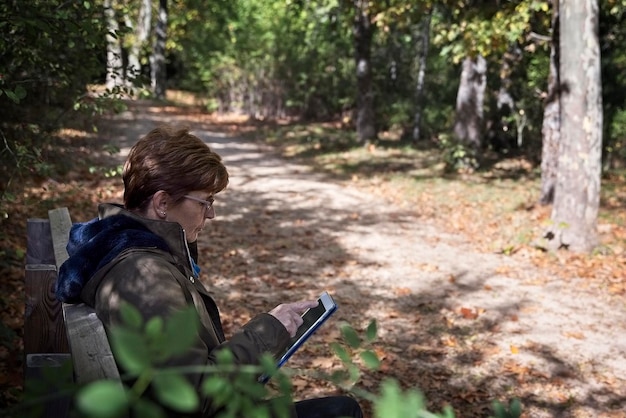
pixel 192 212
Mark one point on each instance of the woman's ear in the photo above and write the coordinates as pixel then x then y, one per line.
pixel 159 203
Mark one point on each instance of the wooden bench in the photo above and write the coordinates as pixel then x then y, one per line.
pixel 55 334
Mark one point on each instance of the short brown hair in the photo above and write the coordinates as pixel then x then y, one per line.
pixel 172 160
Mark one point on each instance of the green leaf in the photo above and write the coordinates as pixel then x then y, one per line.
pixel 350 335
pixel 130 350
pixel 262 411
pixel 104 398
pixel 372 331
pixel 268 365
pixel 341 352
pixel 284 383
pixel 12 96
pixel 251 387
pixel 339 376
pixel 393 403
pixel 20 92
pixel 354 372
pixel 214 384
pixel 154 328
pixel 370 359
pixel 389 403
pixel 225 357
pixel 516 408
pixel 174 391
pixel 145 408
pixel 131 316
pixel 181 331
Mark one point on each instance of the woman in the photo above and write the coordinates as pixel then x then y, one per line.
pixel 145 254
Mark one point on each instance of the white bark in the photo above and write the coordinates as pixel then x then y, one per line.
pixel 577 193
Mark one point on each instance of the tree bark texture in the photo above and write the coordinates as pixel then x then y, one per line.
pixel 577 192
pixel 469 102
pixel 551 127
pixel 142 34
pixel 363 32
pixel 157 60
pixel 114 76
pixel 419 87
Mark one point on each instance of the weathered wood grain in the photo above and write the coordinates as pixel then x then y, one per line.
pixel 91 352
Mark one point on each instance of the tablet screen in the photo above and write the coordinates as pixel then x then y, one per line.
pixel 309 317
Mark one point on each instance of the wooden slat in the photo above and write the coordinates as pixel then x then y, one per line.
pixel 39 370
pixel 91 353
pixel 38 242
pixel 60 224
pixel 46 350
pixel 44 331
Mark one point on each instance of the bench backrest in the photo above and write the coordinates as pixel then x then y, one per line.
pixel 55 333
pixel 91 353
pixel 46 350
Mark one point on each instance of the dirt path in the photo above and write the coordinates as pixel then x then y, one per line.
pixel 465 327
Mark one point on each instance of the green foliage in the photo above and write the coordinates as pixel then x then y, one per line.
pixel 396 403
pixel 234 389
pixel 514 409
pixel 392 401
pixel 141 349
pixel 264 57
pixel 271 58
pixel 50 52
pixel 457 155
pixel 102 399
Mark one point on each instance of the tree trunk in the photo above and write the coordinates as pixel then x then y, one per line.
pixel 363 32
pixel 551 127
pixel 142 33
pixel 419 86
pixel 469 102
pixel 157 60
pixel 115 66
pixel 507 110
pixel 577 192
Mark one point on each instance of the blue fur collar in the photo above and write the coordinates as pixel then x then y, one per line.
pixel 94 244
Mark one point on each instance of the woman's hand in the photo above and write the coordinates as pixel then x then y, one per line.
pixel 289 314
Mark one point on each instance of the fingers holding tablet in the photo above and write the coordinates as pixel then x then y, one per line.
pixel 289 314
pixel 314 314
pixel 312 319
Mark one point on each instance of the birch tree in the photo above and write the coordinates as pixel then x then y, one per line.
pixel 577 191
pixel 551 127
pixel 157 59
pixel 142 31
pixel 114 65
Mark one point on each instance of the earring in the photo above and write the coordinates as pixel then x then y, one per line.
pixel 163 213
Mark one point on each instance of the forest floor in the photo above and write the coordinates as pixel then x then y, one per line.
pixel 460 321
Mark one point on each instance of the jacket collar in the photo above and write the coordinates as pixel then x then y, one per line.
pixel 93 245
pixel 170 232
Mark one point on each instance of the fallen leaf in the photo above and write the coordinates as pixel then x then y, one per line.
pixel 576 335
pixel 402 291
pixel 469 313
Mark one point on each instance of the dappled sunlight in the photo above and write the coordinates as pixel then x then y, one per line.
pixel 467 310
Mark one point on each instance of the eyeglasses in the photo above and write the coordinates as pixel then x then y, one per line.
pixel 208 204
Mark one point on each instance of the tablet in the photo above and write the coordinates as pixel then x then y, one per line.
pixel 313 319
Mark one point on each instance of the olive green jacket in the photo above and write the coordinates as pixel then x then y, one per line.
pixel 159 282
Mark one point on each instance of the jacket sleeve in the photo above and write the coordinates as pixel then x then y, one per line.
pixel 264 332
